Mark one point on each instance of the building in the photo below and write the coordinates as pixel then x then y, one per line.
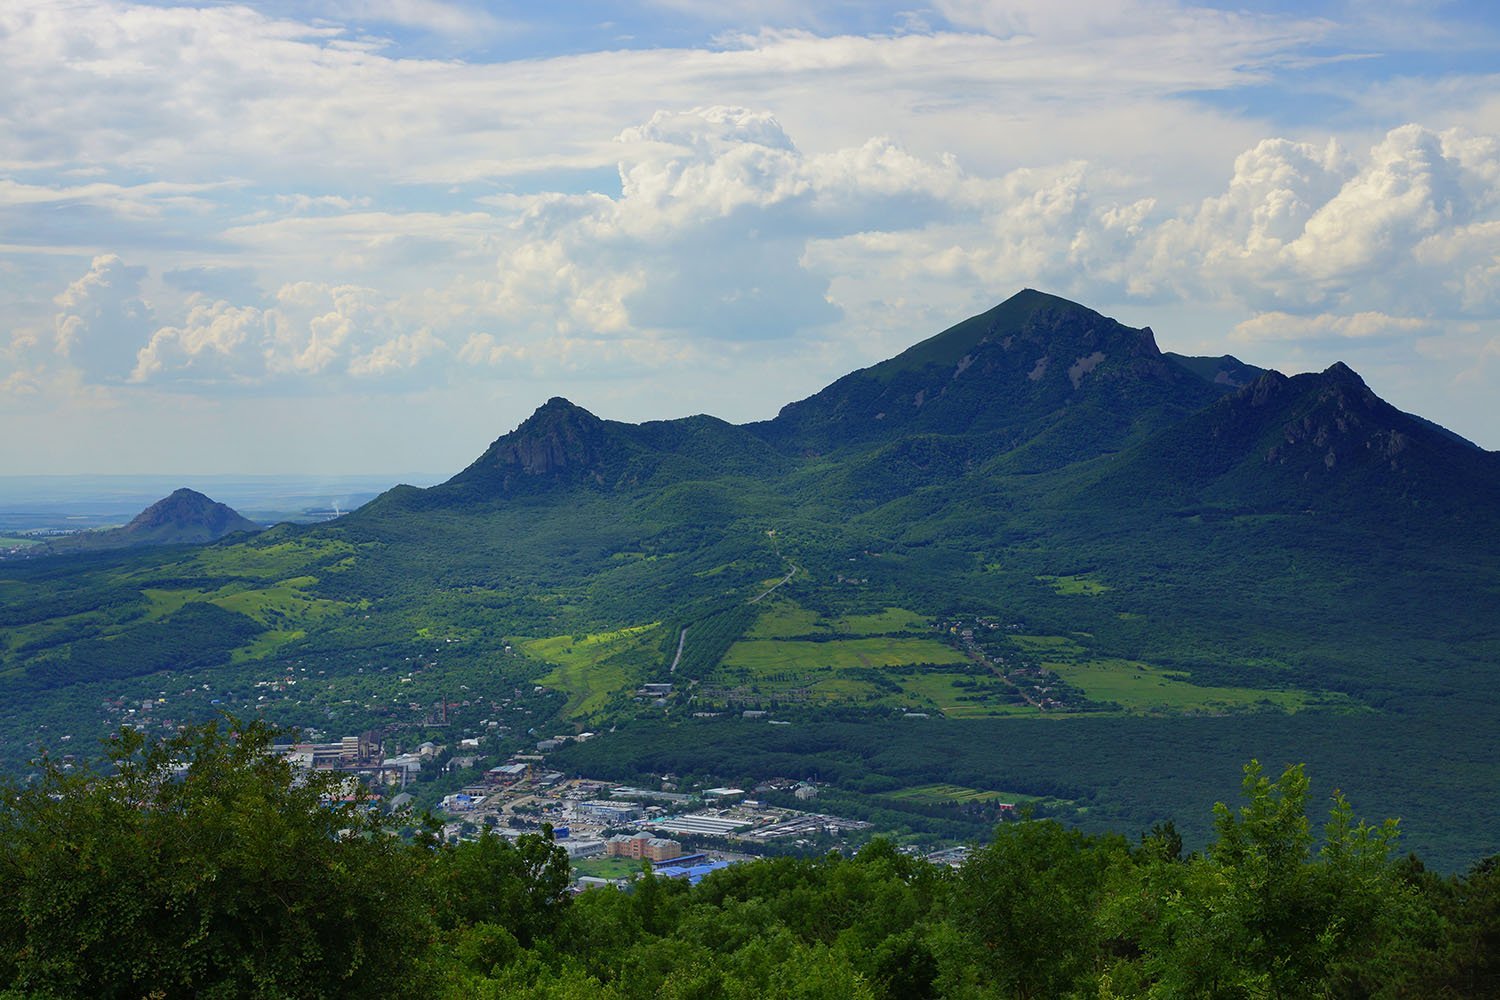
pixel 609 812
pixel 694 873
pixel 506 774
pixel 584 848
pixel 643 845
pixel 723 793
pixel 702 825
pixel 458 802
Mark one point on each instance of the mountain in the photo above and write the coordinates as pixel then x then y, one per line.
pixel 1047 379
pixel 1032 555
pixel 1321 439
pixel 183 517
pixel 562 445
pixel 1226 371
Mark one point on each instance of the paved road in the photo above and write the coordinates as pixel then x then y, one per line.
pixel 786 579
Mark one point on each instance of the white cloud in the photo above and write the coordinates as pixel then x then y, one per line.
pixel 102 319
pixel 202 93
pixel 1412 227
pixel 1280 326
pixel 796 196
pixel 724 229
pixel 400 354
pixel 216 342
pixel 133 201
pixel 312 331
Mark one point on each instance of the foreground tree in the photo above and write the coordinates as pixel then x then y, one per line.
pixel 204 865
pixel 1027 907
pixel 1265 915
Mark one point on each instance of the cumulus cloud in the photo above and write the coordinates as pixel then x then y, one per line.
pixel 312 331
pixel 216 341
pixel 400 354
pixel 102 320
pixel 1280 326
pixel 725 229
pixel 1412 227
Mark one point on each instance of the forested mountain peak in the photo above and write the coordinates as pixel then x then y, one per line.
pixel 560 441
pixel 1028 319
pixel 1333 421
pixel 1034 369
pixel 1312 441
pixel 183 517
pixel 186 512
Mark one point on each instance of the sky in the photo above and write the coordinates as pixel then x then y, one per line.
pixel 370 236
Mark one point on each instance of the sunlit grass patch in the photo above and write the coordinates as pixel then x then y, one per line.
pixel 588 668
pixel 265 645
pixel 939 793
pixel 783 620
pixel 962 696
pixel 886 620
pixel 771 655
pixel 1140 687
pixel 1080 583
pixel 277 560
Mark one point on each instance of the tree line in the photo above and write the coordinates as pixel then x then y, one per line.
pixel 207 865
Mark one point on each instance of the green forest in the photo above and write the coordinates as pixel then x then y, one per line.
pixel 205 865
pixel 1103 593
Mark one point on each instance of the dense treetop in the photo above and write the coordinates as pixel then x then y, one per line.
pixel 204 865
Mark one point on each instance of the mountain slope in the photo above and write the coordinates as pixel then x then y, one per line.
pixel 1319 440
pixel 184 517
pixel 563 446
pixel 1225 371
pixel 1037 373
pixel 1131 540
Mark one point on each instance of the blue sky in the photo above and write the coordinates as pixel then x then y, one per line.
pixel 369 236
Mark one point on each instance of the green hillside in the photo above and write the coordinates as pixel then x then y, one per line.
pixel 1033 541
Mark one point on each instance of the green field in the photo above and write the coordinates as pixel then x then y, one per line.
pixel 761 656
pixel 265 645
pixel 1079 584
pixel 786 619
pixel 939 793
pixel 1140 687
pixel 285 601
pixel 607 867
pixel 276 560
pixel 1050 645
pixel 862 670
pixel 884 621
pixel 591 668
pixel 938 689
